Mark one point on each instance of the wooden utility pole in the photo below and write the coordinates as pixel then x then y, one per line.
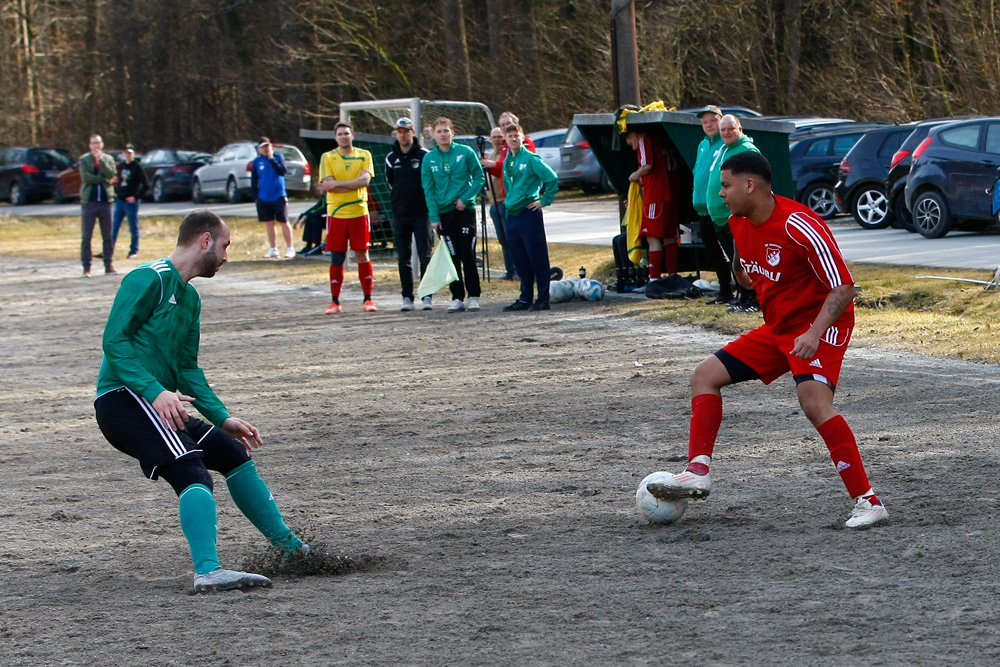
pixel 624 54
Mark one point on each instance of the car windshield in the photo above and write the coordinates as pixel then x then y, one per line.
pixel 193 156
pixel 290 153
pixel 50 159
pixel 574 136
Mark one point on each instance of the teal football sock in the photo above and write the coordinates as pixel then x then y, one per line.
pixel 252 496
pixel 199 520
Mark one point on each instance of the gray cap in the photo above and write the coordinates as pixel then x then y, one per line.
pixel 404 123
pixel 711 108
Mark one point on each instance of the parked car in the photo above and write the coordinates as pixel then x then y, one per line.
pixel 68 181
pixel 804 123
pixel 815 164
pixel 29 174
pixel 952 170
pixel 168 172
pixel 548 145
pixel 860 190
pixel 742 112
pixel 579 164
pixel 899 170
pixel 228 172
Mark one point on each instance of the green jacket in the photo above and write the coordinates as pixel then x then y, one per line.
pixel 702 165
pixel 88 179
pixel 527 179
pixel 152 336
pixel 716 204
pixel 446 177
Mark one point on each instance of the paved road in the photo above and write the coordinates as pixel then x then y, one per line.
pixel 594 221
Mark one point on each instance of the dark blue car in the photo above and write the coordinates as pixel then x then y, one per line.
pixel 29 174
pixel 952 171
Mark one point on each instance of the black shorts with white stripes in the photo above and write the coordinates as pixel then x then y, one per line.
pixel 132 426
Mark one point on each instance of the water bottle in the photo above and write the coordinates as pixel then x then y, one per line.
pixel 583 272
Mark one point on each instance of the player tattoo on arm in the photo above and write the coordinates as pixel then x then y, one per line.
pixel 840 297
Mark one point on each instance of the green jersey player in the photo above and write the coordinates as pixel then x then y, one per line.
pixel 150 371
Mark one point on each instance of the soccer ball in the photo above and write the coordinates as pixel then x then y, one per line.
pixel 591 290
pixel 561 290
pixel 655 510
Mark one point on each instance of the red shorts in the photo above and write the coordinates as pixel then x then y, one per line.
pixel 341 230
pixel 769 354
pixel 659 220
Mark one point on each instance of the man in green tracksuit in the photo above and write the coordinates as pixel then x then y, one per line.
pixel 150 369
pixel 452 178
pixel 734 142
pixel 529 184
pixel 719 255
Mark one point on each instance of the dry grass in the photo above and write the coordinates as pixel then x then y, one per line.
pixel 895 310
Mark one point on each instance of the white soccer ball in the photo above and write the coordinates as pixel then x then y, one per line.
pixel 655 510
pixel 591 290
pixel 561 290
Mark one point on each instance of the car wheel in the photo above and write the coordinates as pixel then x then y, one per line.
pixel 232 192
pixel 819 197
pixel 871 209
pixel 57 194
pixel 17 196
pixel 159 193
pixel 197 196
pixel 904 220
pixel 931 216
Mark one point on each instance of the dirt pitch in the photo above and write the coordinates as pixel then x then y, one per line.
pixel 489 462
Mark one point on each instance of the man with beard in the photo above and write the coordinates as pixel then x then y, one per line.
pixel 150 370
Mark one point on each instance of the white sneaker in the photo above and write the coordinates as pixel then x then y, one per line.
pixel 271 254
pixel 456 306
pixel 427 304
pixel 868 512
pixel 289 253
pixel 227 580
pixel 473 303
pixel 407 305
pixel 683 485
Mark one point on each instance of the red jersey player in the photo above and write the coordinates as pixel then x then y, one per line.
pixel 788 255
pixel 660 222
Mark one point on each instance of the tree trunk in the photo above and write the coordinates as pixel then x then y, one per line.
pixel 793 50
pixel 456 50
pixel 936 101
pixel 494 21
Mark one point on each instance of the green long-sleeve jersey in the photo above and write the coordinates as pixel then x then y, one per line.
pixel 152 336
pixel 716 205
pixel 448 176
pixel 526 179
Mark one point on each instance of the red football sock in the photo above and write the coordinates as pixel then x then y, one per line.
pixel 655 264
pixel 839 439
pixel 336 280
pixel 366 275
pixel 706 418
pixel 670 257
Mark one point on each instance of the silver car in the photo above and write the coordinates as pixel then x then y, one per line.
pixel 228 174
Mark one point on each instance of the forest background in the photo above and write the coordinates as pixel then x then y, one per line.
pixel 200 73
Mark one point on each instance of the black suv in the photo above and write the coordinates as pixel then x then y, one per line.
pixel 861 188
pixel 899 169
pixel 953 171
pixel 29 174
pixel 816 160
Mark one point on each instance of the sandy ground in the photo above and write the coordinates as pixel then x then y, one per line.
pixel 489 461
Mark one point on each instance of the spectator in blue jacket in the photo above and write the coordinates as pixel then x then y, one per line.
pixel 267 183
